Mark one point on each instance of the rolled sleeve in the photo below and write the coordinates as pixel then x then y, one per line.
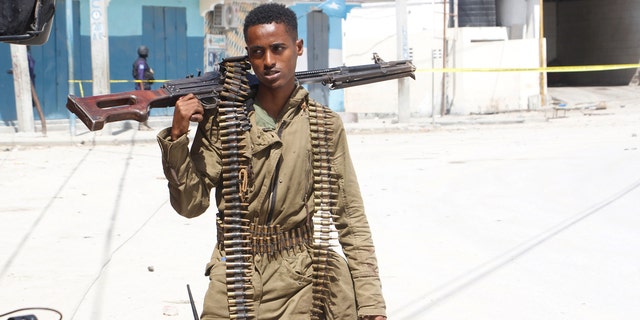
pixel 174 153
pixel 355 233
pixel 188 190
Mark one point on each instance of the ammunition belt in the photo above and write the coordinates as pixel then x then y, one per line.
pixel 269 240
pixel 325 196
pixel 242 239
pixel 234 121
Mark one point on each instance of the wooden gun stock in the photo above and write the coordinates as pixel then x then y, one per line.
pixel 95 111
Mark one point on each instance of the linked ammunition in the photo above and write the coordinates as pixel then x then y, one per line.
pixel 241 308
pixel 235 242
pixel 231 132
pixel 238 278
pixel 321 157
pixel 319 143
pixel 236 83
pixel 326 187
pixel 231 96
pixel 230 219
pixel 239 293
pixel 239 286
pixel 320 123
pixel 241 316
pixel 231 153
pixel 238 272
pixel 321 282
pixel 324 129
pixel 239 301
pixel 322 165
pixel 228 105
pixel 235 235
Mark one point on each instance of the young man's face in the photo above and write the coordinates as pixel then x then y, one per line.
pixel 273 53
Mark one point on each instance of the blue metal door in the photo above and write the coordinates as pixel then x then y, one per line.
pixel 164 31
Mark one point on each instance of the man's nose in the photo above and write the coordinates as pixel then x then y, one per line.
pixel 269 59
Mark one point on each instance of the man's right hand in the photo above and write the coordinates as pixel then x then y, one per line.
pixel 188 108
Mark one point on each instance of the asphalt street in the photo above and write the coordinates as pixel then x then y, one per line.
pixel 529 215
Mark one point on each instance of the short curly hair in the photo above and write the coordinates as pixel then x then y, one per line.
pixel 269 13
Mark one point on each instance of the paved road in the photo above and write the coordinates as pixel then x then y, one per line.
pixel 501 217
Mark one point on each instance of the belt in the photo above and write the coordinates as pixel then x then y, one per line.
pixel 271 239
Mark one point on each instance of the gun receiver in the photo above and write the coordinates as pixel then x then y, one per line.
pixel 95 111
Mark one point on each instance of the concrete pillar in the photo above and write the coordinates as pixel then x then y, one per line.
pixel 404 108
pixel 22 88
pixel 100 49
pixel 68 5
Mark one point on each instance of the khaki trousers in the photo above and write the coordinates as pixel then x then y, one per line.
pixel 282 288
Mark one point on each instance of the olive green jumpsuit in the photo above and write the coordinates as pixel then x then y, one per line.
pixel 280 193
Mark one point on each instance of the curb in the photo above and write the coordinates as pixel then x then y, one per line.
pixel 125 132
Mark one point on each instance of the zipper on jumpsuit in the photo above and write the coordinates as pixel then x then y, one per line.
pixel 274 181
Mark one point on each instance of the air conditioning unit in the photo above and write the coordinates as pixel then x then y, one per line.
pixel 226 16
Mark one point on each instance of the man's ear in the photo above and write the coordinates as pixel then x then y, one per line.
pixel 299 46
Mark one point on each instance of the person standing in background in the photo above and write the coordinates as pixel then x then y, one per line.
pixel 144 76
pixel 32 66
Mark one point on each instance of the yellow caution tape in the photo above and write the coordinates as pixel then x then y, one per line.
pixel 116 81
pixel 538 69
pixel 80 82
pixel 584 68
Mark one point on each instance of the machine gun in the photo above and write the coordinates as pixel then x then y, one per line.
pixel 95 111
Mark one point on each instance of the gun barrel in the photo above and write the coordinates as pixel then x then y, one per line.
pixel 344 77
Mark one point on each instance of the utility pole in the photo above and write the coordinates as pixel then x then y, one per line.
pixel 100 48
pixel 434 56
pixel 445 23
pixel 22 88
pixel 542 52
pixel 68 5
pixel 404 112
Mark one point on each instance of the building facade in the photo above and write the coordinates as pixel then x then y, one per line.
pixel 184 37
pixel 188 36
pixel 174 53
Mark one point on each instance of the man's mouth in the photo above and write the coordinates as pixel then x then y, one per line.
pixel 270 74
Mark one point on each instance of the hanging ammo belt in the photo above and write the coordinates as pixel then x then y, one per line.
pixel 235 171
pixel 326 198
pixel 242 239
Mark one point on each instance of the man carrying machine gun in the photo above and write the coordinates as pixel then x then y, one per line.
pixel 285 189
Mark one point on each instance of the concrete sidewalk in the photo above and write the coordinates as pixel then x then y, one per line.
pixel 579 100
pixel 507 216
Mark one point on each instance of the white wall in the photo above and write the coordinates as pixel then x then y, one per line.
pixel 372 29
pixel 486 92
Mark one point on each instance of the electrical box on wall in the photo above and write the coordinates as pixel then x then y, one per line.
pixel 226 16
